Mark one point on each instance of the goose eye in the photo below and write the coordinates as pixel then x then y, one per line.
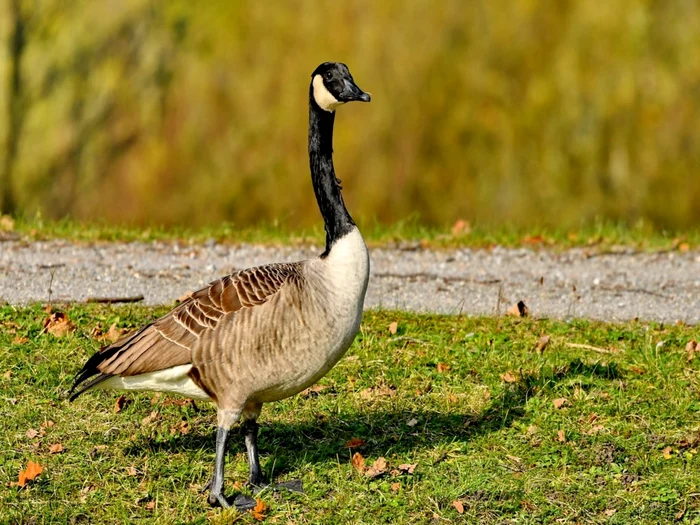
pixel 329 75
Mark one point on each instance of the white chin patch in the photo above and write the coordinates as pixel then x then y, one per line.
pixel 323 97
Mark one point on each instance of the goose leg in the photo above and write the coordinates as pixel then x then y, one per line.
pixel 250 431
pixel 216 485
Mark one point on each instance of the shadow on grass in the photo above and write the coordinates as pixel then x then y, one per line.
pixel 384 430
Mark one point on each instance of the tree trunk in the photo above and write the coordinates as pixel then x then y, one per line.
pixel 14 108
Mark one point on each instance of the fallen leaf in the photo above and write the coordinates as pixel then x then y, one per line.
pixel 56 448
pixel 358 462
pixel 150 417
pixel 131 471
pixel 119 404
pixel 114 333
pixel 442 368
pixel 47 424
pixel 461 227
pixel 452 398
pixel 20 340
pixel 542 344
pixel 393 327
pixel 683 247
pixel 412 422
pixel 559 402
pixel 58 324
pixel 519 309
pixel 258 510
pixel 533 239
pixel 32 433
pixel 680 514
pixel 30 473
pixel 408 468
pixel 691 348
pixel 377 469
pixel 609 512
pixel 561 437
pixel 355 443
pixel 151 505
pixel 8 374
pixel 459 506
pixel 595 429
pixel 668 453
pixel 637 370
pixel 395 487
pixel 508 377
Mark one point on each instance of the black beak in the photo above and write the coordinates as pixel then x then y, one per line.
pixel 352 92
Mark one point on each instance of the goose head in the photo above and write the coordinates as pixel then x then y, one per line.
pixel 332 85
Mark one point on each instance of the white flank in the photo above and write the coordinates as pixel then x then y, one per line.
pixel 171 380
pixel 324 98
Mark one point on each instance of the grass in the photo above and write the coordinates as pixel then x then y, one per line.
pixel 465 399
pixel 599 236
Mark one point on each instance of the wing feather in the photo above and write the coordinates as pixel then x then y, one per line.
pixel 169 341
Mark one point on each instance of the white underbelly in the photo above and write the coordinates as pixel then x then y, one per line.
pixel 175 380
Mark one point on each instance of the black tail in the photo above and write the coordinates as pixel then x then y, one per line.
pixel 90 374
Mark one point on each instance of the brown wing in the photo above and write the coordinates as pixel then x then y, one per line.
pixel 169 341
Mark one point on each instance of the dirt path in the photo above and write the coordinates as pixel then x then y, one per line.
pixel 574 283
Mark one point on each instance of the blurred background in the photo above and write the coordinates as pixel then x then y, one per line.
pixel 526 112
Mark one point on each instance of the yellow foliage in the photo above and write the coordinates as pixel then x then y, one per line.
pixel 494 111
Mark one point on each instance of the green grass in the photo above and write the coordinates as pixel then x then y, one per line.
pixel 630 428
pixel 599 236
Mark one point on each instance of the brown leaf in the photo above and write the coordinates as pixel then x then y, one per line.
pixel 113 334
pixel 459 506
pixel 519 309
pixel 150 417
pixel 408 468
pixel 20 340
pixel 58 324
pixel 595 429
pixel 377 469
pixel 258 510
pixel 47 424
pixel 542 344
pixel 442 368
pixel 119 404
pixel 690 349
pixel 508 377
pixel 559 402
pixel 393 327
pixel 461 227
pixel 131 471
pixel 151 505
pixel 561 437
pixel 533 239
pixel 412 422
pixel 355 443
pixel 683 247
pixel 8 374
pixel 667 452
pixel 56 448
pixel 637 370
pixel 30 473
pixel 358 462
pixel 32 433
pixel 395 487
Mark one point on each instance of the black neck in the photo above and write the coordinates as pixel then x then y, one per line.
pixel 336 218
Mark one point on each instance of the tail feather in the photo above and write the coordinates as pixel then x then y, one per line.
pixel 85 379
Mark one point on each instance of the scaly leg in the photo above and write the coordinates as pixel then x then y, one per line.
pixel 250 431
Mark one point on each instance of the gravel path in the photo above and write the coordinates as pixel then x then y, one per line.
pixel 625 285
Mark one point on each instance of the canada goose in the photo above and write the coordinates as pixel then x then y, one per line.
pixel 261 334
